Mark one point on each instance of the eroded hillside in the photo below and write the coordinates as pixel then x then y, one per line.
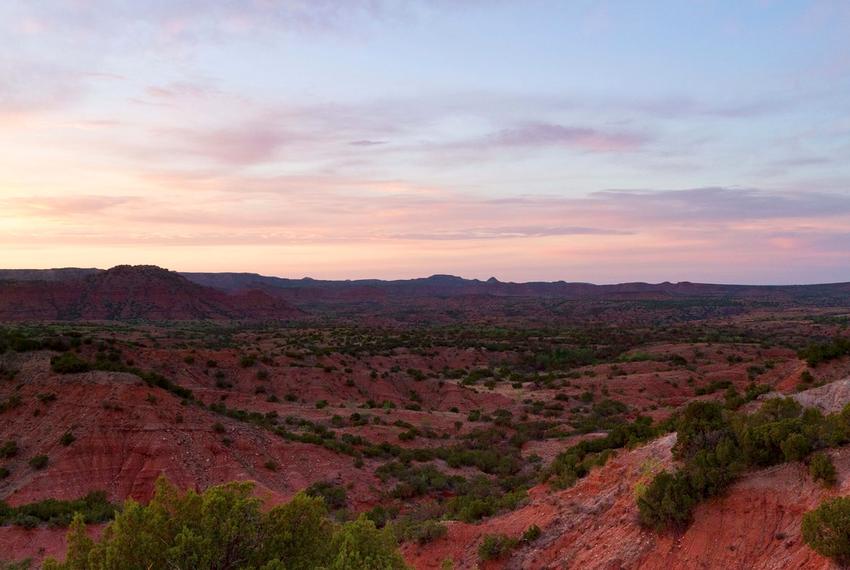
pixel 446 433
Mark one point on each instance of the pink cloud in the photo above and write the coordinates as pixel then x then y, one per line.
pixel 181 90
pixel 333 226
pixel 239 145
pixel 64 206
pixel 583 138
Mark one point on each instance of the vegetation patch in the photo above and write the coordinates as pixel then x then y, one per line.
pixel 226 527
pixel 93 508
pixel 716 446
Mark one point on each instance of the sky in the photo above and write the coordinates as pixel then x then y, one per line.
pixel 599 141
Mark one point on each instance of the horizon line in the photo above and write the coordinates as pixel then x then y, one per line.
pixel 433 275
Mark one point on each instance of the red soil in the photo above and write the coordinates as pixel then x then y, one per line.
pixel 756 524
pixel 127 434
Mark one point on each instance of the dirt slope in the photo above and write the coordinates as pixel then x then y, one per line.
pixel 593 525
pixel 830 398
pixel 128 434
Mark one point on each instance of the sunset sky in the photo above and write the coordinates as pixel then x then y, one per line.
pixel 528 140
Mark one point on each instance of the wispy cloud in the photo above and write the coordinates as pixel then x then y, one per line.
pixel 27 87
pixel 724 204
pixel 243 145
pixel 184 90
pixel 331 208
pixel 508 233
pixel 592 235
pixel 582 138
pixel 188 22
pixel 369 134
pixel 64 206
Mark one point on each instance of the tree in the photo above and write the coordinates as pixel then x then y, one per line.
pixel 225 528
pixel 361 546
pixel 79 547
pixel 701 425
pixel 299 533
pixel 795 447
pixel 827 529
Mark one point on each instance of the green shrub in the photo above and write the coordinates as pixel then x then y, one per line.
pixel 427 531
pixel 227 522
pixel 822 469
pixel 678 360
pixel 713 387
pixel 699 423
pixel 46 397
pixel 827 529
pixel 10 403
pixel 576 462
pixel 716 446
pixel 795 447
pixel 531 534
pixel 816 353
pixel 94 507
pixel 67 438
pixel 24 564
pixel 39 462
pixel 69 363
pixel 667 502
pixel 9 449
pixel 358 545
pixel 380 515
pixel 418 481
pixel 494 546
pixel 334 495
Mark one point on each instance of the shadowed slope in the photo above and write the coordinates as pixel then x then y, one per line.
pixel 133 292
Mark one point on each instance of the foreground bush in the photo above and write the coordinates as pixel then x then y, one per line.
pixel 225 528
pixel 827 529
